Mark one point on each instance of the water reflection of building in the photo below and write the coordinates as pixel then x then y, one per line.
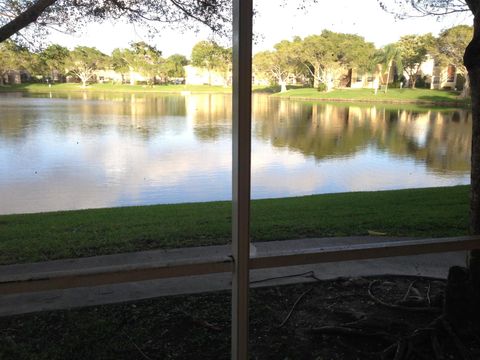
pixel 441 140
pixel 210 115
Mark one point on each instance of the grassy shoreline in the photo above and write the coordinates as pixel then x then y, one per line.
pixel 393 96
pixel 430 212
pixel 115 88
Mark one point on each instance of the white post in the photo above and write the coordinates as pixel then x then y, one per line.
pixel 241 133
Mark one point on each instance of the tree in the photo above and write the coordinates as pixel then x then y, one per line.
pixel 330 54
pixel 413 51
pixel 33 18
pixel 147 60
pixel 270 64
pixel 53 59
pixel 449 50
pixel 461 304
pixel 119 63
pixel 174 66
pixel 388 56
pixel 12 57
pixel 278 64
pixel 142 58
pixel 472 63
pixel 407 8
pixel 211 56
pixel 83 61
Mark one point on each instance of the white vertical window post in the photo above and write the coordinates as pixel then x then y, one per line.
pixel 241 154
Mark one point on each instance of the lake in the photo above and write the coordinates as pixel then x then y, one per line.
pixel 83 150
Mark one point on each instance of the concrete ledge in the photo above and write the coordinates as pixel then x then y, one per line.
pixel 432 265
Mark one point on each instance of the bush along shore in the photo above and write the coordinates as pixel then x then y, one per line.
pixel 430 212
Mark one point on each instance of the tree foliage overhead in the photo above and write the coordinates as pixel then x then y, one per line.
pixel 69 15
pixel 32 18
pixel 420 8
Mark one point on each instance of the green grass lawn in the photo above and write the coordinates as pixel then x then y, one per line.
pixel 433 212
pixel 392 95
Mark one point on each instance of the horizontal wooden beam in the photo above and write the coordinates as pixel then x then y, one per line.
pixel 365 251
pixel 72 277
pixel 67 279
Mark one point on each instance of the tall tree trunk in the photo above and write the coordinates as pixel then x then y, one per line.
pixel 472 63
pixel 283 85
pixel 466 87
pixel 413 80
pixel 316 77
pixel 462 296
pixel 389 68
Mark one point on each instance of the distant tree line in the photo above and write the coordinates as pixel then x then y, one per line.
pixel 319 59
pixel 325 57
pixel 82 63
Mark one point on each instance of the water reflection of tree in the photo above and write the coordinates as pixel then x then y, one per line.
pixel 441 140
pixel 16 124
pixel 210 115
pixel 143 115
pixel 315 130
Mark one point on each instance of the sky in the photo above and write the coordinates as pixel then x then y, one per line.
pixel 272 24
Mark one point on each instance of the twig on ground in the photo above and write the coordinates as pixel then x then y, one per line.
pixel 405 297
pixel 400 307
pixel 401 348
pixel 429 288
pixel 293 307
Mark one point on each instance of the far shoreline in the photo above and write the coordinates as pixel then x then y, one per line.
pixel 423 97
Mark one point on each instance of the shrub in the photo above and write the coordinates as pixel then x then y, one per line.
pixel 322 87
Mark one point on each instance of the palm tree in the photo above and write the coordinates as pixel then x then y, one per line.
pixel 388 56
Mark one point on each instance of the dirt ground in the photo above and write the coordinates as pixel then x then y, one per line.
pixel 349 319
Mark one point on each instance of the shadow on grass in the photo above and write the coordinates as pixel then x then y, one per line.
pixel 442 100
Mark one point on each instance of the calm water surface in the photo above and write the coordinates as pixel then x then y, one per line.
pixel 100 150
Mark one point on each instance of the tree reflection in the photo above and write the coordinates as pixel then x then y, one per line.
pixel 439 139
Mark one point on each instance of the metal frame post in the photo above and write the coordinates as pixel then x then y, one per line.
pixel 241 155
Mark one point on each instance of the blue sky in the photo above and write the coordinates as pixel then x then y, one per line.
pixel 273 24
